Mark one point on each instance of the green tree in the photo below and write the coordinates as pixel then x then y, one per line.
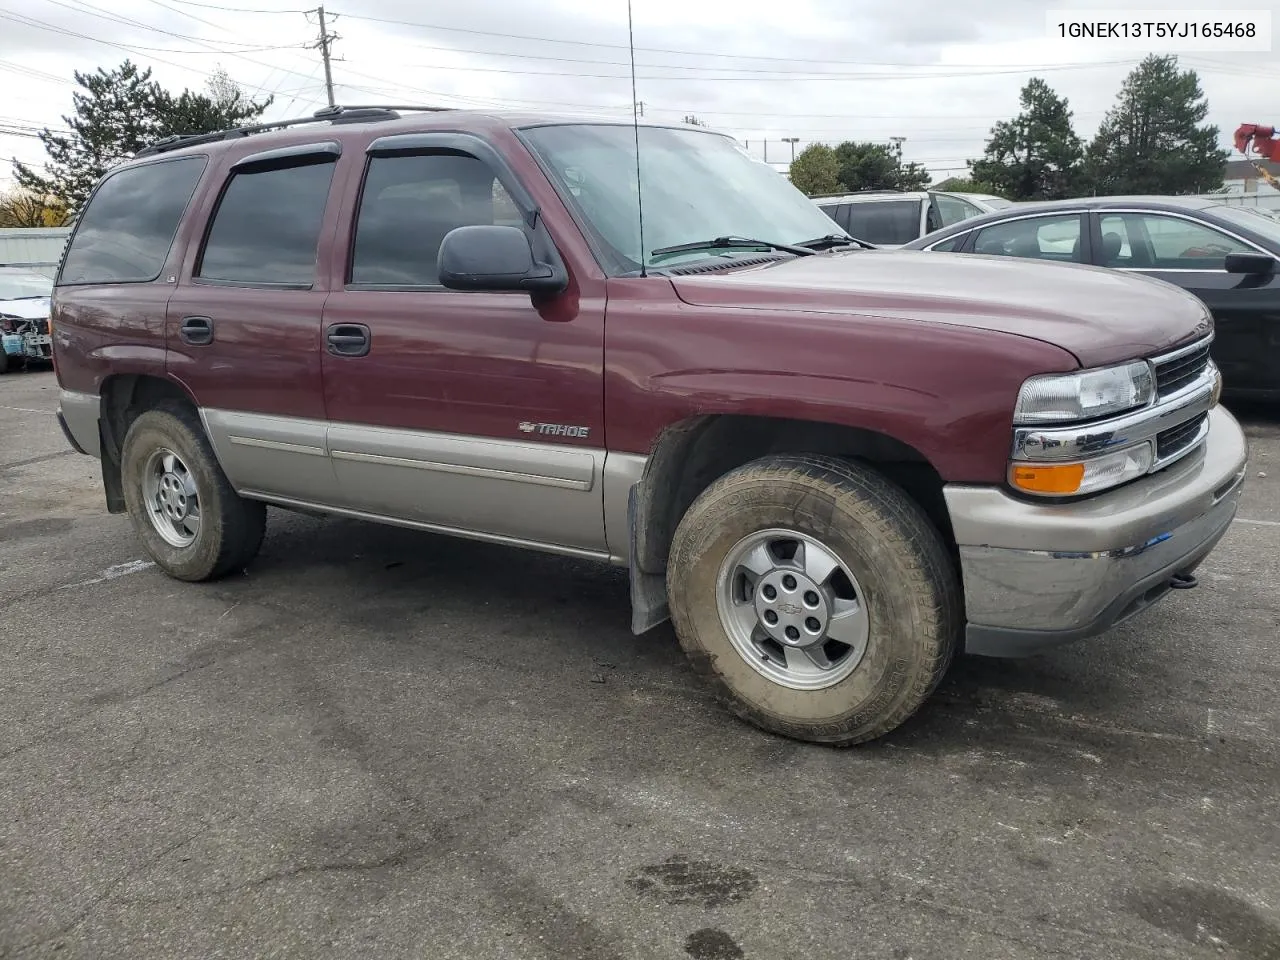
pixel 815 170
pixel 1154 140
pixel 876 166
pixel 1036 155
pixel 965 185
pixel 912 176
pixel 225 105
pixel 867 166
pixel 117 113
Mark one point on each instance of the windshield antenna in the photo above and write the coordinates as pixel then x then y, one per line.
pixel 635 125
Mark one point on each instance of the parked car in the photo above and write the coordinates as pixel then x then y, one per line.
pixel 24 317
pixel 891 218
pixel 831 467
pixel 1224 254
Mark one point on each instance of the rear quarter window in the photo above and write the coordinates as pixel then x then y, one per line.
pixel 885 221
pixel 125 232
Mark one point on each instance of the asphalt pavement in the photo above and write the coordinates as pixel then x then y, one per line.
pixel 383 744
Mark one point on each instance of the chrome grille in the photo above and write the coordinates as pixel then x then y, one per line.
pixel 1176 440
pixel 1178 369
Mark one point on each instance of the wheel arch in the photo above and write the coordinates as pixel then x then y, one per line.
pixel 692 454
pixel 123 397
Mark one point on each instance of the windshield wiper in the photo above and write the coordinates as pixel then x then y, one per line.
pixel 836 240
pixel 731 243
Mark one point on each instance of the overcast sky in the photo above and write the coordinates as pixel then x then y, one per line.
pixel 937 72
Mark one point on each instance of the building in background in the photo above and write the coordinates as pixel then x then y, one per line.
pixel 1242 177
pixel 36 248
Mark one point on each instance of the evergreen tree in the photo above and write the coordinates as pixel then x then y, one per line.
pixel 1036 155
pixel 1153 141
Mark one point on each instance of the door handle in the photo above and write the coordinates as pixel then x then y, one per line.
pixel 348 339
pixel 196 331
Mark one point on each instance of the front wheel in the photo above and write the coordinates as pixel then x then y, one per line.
pixel 817 597
pixel 190 520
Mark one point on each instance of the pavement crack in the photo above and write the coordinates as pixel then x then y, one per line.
pixel 84 912
pixel 400 857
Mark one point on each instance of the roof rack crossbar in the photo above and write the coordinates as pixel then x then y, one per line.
pixel 339 113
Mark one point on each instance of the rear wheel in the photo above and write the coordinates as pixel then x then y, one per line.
pixel 190 520
pixel 816 596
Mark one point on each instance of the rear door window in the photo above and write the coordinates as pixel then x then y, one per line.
pixel 125 233
pixel 267 226
pixel 885 221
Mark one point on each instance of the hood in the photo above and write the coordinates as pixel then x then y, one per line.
pixel 36 309
pixel 1101 316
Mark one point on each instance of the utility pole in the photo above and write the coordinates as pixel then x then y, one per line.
pixel 325 45
pixel 639 108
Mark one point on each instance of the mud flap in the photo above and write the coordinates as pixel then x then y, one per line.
pixel 648 590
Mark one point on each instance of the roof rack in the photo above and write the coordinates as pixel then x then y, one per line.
pixel 340 113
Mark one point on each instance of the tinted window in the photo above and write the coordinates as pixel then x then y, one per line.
pixel 1042 238
pixel 1164 243
pixel 885 221
pixel 951 245
pixel 125 233
pixel 954 210
pixel 267 226
pixel 409 204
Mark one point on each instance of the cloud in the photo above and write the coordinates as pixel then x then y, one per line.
pixel 936 72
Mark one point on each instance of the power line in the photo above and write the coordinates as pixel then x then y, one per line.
pixel 215 6
pixel 91 10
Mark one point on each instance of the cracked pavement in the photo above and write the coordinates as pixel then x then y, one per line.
pixel 380 743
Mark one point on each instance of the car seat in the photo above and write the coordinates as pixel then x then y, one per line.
pixel 1112 244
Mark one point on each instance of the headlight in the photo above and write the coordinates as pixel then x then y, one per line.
pixel 1084 476
pixel 1085 394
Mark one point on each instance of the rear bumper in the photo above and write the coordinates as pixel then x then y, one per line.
pixel 1039 575
pixel 78 416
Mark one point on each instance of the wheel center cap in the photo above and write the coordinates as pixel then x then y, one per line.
pixel 172 496
pixel 791 607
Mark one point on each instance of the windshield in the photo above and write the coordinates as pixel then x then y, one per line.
pixel 695 186
pixel 995 203
pixel 19 286
pixel 1259 221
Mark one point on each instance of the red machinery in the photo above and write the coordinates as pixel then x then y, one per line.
pixel 1257 139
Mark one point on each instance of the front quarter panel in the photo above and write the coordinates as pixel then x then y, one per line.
pixel 947 391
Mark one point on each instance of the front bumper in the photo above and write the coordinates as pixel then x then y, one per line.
pixel 1037 575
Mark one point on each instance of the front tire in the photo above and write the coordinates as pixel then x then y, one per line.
pixel 183 508
pixel 816 596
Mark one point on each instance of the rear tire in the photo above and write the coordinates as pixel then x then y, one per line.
pixel 184 510
pixel 837 638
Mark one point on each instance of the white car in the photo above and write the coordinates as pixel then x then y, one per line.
pixel 24 317
pixel 890 218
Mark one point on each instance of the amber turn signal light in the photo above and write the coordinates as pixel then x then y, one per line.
pixel 1063 478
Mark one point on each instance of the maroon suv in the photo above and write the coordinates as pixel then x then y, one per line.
pixel 832 467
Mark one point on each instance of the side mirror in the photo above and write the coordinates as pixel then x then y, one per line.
pixel 493 257
pixel 1250 263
